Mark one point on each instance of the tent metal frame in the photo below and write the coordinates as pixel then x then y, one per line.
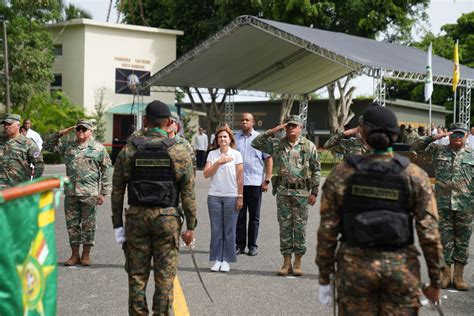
pixel 307 47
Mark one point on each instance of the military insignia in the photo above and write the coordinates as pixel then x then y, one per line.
pixel 152 162
pixel 36 154
pixel 33 275
pixel 377 193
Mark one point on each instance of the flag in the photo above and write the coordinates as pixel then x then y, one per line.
pixel 28 260
pixel 456 73
pixel 429 77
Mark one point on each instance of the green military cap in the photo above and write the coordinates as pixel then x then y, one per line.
pixel 11 118
pixel 294 119
pixel 89 124
pixel 458 127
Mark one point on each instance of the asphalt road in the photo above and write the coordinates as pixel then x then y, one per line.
pixel 250 288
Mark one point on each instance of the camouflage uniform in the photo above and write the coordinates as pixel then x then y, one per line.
pixel 370 281
pixel 454 189
pixel 153 231
pixel 339 144
pixel 412 137
pixel 17 155
pixel 88 167
pixel 298 170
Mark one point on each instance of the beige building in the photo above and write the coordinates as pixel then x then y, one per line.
pixel 92 56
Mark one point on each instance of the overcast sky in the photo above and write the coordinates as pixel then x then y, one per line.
pixel 440 12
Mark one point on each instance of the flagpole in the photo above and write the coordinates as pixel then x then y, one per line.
pixel 429 126
pixel 454 113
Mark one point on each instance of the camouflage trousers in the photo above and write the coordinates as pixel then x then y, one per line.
pixel 455 228
pixel 80 219
pixel 150 234
pixel 292 212
pixel 388 284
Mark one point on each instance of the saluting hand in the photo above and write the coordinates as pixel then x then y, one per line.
pixel 67 130
pixel 441 135
pixel 276 129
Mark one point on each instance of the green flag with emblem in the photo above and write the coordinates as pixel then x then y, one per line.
pixel 28 268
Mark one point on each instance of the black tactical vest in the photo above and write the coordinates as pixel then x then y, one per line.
pixel 377 205
pixel 152 178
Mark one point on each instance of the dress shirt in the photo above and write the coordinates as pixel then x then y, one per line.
pixel 470 141
pixel 254 160
pixel 35 137
pixel 200 142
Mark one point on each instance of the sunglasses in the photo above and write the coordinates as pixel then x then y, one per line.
pixel 81 129
pixel 457 135
pixel 291 125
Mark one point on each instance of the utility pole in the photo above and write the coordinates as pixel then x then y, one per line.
pixel 5 67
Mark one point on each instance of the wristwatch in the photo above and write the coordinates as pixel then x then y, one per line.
pixel 267 181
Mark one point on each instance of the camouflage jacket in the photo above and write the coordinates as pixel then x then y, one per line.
pixel 88 166
pixel 412 137
pixel 454 172
pixel 293 165
pixel 423 208
pixel 184 176
pixel 17 155
pixel 346 146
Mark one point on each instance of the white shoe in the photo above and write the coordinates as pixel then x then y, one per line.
pixel 225 267
pixel 216 266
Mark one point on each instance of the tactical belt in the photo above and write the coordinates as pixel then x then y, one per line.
pixel 294 186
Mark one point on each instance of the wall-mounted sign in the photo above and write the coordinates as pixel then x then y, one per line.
pixel 132 63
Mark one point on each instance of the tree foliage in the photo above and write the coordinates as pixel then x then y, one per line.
pixel 443 45
pixel 29 47
pixel 50 112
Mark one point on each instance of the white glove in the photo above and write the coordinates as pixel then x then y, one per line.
pixel 325 294
pixel 119 235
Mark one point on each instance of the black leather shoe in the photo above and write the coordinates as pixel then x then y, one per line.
pixel 252 252
pixel 239 251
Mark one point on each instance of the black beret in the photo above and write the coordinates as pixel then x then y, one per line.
pixel 158 109
pixel 378 117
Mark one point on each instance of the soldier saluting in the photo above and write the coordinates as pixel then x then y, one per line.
pixel 371 203
pixel 454 171
pixel 158 173
pixel 297 171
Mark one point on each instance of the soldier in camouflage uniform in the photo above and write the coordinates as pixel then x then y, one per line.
pixel 346 143
pixel 368 207
pixel 88 167
pixel 152 222
pixel 297 171
pixel 454 171
pixel 18 155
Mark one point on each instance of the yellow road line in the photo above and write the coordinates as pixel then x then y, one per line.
pixel 180 308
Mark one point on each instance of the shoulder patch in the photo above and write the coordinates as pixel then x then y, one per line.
pixel 36 154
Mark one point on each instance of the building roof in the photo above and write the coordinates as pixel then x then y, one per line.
pixel 418 105
pixel 127 27
pixel 262 55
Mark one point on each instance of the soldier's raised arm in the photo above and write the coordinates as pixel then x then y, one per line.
pixel 427 143
pixel 263 142
pixel 53 142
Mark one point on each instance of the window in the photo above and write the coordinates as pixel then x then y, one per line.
pixel 58 50
pixel 58 81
